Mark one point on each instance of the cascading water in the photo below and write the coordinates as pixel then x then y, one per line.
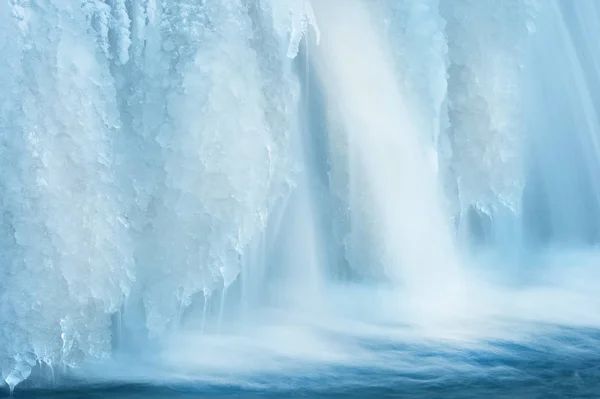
pixel 232 191
pixel 392 189
pixel 563 125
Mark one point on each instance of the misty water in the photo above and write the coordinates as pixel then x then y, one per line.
pixel 318 198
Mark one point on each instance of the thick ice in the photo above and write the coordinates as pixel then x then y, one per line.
pixel 293 18
pixel 143 150
pixel 486 45
pixel 67 261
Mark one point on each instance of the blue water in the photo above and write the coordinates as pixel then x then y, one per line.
pixel 565 364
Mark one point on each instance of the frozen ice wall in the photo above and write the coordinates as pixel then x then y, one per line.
pixel 67 259
pixel 221 144
pixel 142 145
pixel 486 62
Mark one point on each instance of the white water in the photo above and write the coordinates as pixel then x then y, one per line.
pixel 230 188
pixel 389 174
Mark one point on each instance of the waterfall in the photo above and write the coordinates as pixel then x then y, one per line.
pixel 186 172
pixel 392 191
pixel 562 195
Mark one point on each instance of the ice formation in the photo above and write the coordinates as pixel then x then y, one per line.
pixel 157 156
pixel 140 145
pixel 485 98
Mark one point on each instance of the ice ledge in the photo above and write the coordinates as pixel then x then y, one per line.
pixel 303 16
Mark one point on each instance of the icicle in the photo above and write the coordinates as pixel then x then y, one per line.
pixel 123 34
pixel 302 16
pixel 222 308
pixel 207 295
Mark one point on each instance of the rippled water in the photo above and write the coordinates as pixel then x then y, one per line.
pixel 534 361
